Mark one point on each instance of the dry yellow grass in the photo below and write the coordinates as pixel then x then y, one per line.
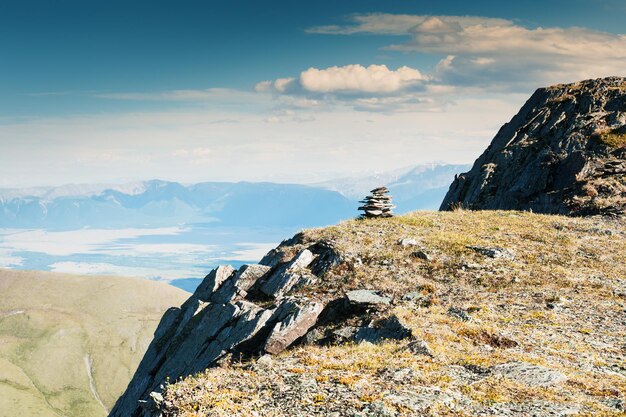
pixel 558 303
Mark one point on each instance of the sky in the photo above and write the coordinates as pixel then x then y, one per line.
pixel 284 91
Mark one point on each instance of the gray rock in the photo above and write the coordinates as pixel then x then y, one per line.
pixel 419 347
pixel 420 400
pixel 152 406
pixel 272 258
pixel 534 409
pixel 264 362
pixel 459 314
pixel 529 374
pixel 366 298
pixel 616 403
pixel 327 258
pixel 420 254
pixel 243 326
pixel 389 328
pixel 212 282
pixel 282 253
pixel 203 340
pixel 418 299
pixel 345 333
pixel 407 242
pixel 239 283
pixel 287 276
pixel 379 409
pixel 378 204
pixel 314 336
pixel 493 252
pixel 410 296
pixel 294 326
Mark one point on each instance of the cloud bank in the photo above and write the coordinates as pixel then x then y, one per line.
pixel 399 24
pixel 488 52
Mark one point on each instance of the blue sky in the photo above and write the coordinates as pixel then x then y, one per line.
pixel 278 90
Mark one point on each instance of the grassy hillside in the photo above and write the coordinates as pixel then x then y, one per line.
pixel 511 313
pixel 70 344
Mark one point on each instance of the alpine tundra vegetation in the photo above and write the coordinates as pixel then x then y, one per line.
pixel 483 313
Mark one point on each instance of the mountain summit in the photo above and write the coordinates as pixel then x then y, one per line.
pixel 564 152
pixel 465 313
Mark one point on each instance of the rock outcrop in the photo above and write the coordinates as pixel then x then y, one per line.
pixel 255 310
pixel 563 153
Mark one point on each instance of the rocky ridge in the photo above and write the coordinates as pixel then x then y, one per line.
pixel 464 313
pixel 254 310
pixel 563 153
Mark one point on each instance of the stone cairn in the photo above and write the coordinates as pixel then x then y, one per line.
pixel 378 204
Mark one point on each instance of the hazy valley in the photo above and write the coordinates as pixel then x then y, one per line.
pixel 175 233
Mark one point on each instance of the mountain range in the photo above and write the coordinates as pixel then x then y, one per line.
pixel 158 203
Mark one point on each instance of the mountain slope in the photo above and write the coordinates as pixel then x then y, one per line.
pixel 69 344
pixel 447 313
pixel 564 152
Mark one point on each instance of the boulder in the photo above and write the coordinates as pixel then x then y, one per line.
pixel 493 252
pixel 407 242
pixel 364 298
pixel 285 277
pixel 529 374
pixel 293 327
pixel 327 258
pixel 459 314
pixel 389 328
pixel 239 283
pixel 212 282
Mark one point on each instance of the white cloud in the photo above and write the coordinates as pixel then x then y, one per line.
pixel 400 24
pixel 359 79
pixel 349 81
pixel 497 52
pixel 251 251
pixel 336 141
pixel 281 85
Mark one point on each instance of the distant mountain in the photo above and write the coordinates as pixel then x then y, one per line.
pixel 418 188
pixel 160 203
pixel 70 344
pixel 423 187
pixel 357 186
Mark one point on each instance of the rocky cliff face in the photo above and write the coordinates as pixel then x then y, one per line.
pixel 564 152
pixel 257 309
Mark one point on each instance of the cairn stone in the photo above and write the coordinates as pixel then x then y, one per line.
pixel 378 204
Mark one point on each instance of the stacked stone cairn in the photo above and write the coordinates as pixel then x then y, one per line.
pixel 378 204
